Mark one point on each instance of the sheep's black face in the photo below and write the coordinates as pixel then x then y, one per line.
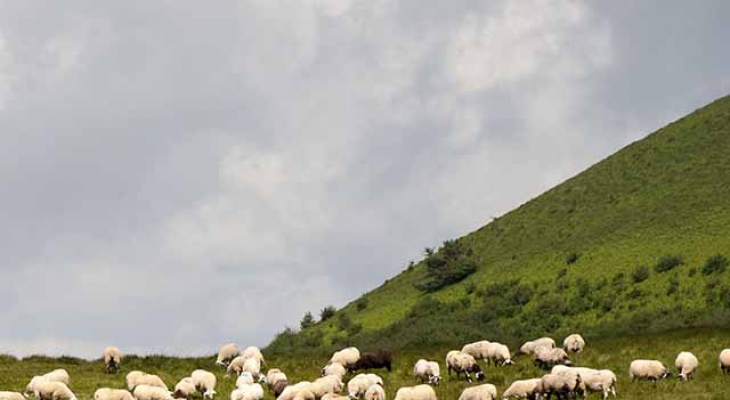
pixel 507 362
pixel 666 375
pixel 567 362
pixel 480 376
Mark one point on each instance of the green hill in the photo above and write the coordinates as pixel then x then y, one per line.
pixel 636 242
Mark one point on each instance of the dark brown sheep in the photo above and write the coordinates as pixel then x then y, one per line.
pixel 374 360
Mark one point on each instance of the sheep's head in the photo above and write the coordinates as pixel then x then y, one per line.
pixel 480 376
pixel 567 362
pixel 434 380
pixel 666 375
pixel 508 362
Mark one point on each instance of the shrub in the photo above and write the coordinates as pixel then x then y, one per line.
pixel 715 264
pixel 307 321
pixel 640 274
pixel 451 264
pixel 361 304
pixel 571 258
pixel 562 272
pixel 668 263
pixel 327 313
pixel 618 282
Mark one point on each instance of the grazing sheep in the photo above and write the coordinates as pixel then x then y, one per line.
pixel 279 387
pixel 651 370
pixel 205 382
pixel 347 357
pixel 686 364
pixel 486 391
pixel 603 381
pixel 241 364
pixel 244 379
pixel 252 391
pixel 146 392
pixel 420 392
pixel 112 359
pixel 226 354
pixel 132 379
pixel 11 396
pixel 49 390
pixel 463 363
pixel 478 350
pixel 184 389
pixel 375 392
pixel 58 375
pixel 498 354
pixel 574 343
pixel 254 352
pixel 725 361
pixel 150 380
pixel 357 386
pixel 523 389
pixel 336 369
pixel 112 394
pixel 326 384
pixel 561 385
pixel 299 391
pixel 274 375
pixel 531 346
pixel 32 387
pixel 546 358
pixel 374 360
pixel 427 371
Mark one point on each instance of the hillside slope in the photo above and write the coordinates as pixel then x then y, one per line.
pixel 583 256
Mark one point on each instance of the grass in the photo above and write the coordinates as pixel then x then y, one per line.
pixel 614 353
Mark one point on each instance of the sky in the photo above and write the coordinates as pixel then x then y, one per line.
pixel 175 175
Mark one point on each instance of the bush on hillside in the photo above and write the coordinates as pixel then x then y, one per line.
pixel 361 304
pixel 640 274
pixel 327 313
pixel 619 282
pixel 668 263
pixel 344 321
pixel 307 321
pixel 451 264
pixel 571 258
pixel 715 264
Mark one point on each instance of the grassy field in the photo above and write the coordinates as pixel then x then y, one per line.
pixel 613 353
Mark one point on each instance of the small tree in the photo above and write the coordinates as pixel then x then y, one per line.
pixel 307 321
pixel 327 313
pixel 715 264
pixel 668 263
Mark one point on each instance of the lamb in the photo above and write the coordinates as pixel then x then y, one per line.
pixel 347 357
pixel 226 354
pixel 531 346
pixel 464 363
pixel 112 394
pixel 686 364
pixel 427 371
pixel 574 343
pixel 375 392
pixel 561 385
pixel 358 385
pixel 486 391
pixel 652 370
pixel 50 390
pixel 184 389
pixel 478 350
pixel 334 369
pixel 112 359
pixel 11 396
pixel 725 361
pixel 420 392
pixel 147 392
pixel 523 389
pixel 547 358
pixel 374 360
pixel 254 352
pixel 252 391
pixel 498 354
pixel 205 382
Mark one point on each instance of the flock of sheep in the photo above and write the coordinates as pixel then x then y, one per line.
pixel 563 381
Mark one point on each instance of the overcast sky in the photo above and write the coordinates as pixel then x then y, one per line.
pixel 175 174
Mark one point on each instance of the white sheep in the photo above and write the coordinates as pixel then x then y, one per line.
pixel 112 359
pixel 603 381
pixel 498 353
pixel 326 384
pixel 205 382
pixel 299 391
pixel 252 391
pixel 563 386
pixel 245 379
pixel 254 352
pixel 347 357
pixel 419 392
pixel 478 350
pixel 58 375
pixel 531 346
pixel 54 391
pixel 184 389
pixel 32 387
pixel 724 360
pixel 274 375
pixel 522 389
pixel 150 380
pixel 652 370
pixel 549 357
pixel 486 391
pixel 574 343
pixel 463 363
pixel 226 353
pixel 11 396
pixel 132 379
pixel 334 396
pixel 147 392
pixel 357 386
pixel 334 369
pixel 427 371
pixel 686 364
pixel 374 392
pixel 112 394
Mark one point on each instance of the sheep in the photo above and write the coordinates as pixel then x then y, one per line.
pixel 149 380
pixel 686 364
pixel 651 370
pixel 326 384
pixel 561 385
pixel 235 367
pixel 254 352
pixel 299 391
pixel 427 371
pixel 478 350
pixel 278 387
pixel 58 375
pixel 244 379
pixel 50 390
pixel 112 359
pixel 724 360
pixel 531 346
pixel 147 392
pixel 226 353
pixel 464 363
pixel 347 357
pixel 374 360
pixel 184 389
pixel 11 396
pixel 522 389
pixel 132 379
pixel 205 382
pixel 498 354
pixel 334 396
pixel 420 392
pixel 241 364
pixel 274 375
pixel 486 391
pixel 252 391
pixel 334 369
pixel 547 358
pixel 357 386
pixel 112 394
pixel 574 343
pixel 32 387
pixel 375 392
pixel 603 381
